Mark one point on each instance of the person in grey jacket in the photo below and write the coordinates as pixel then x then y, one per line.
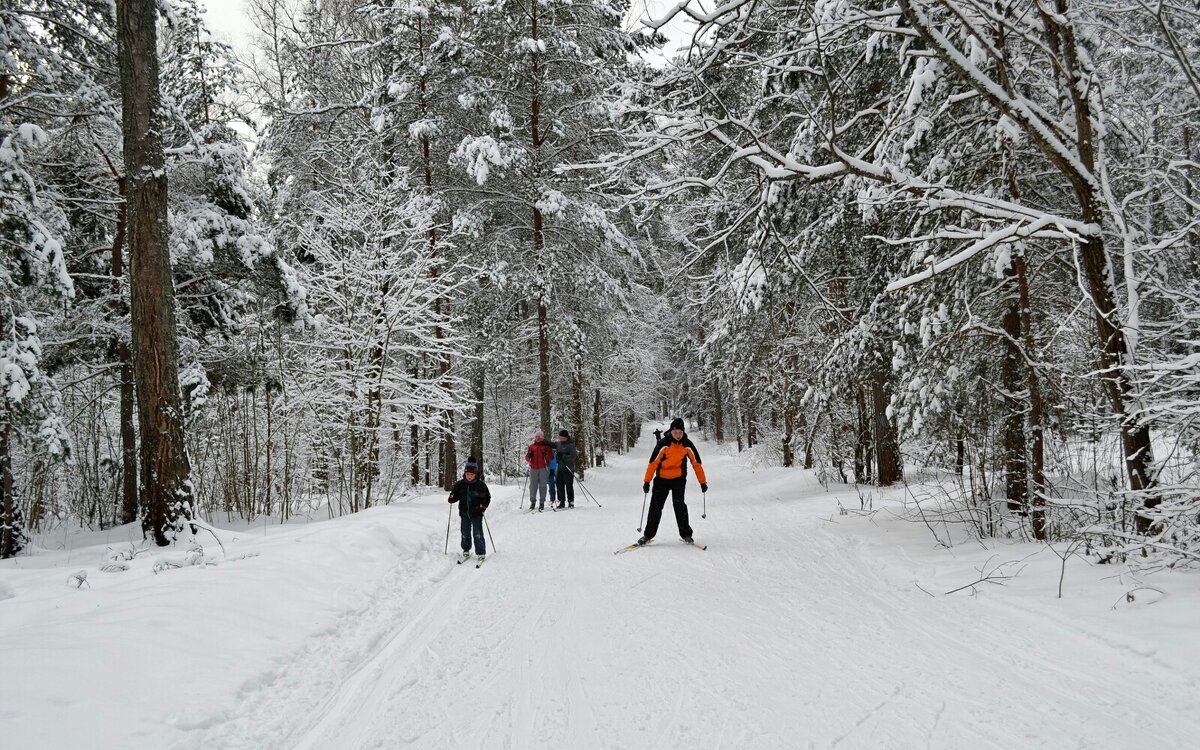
pixel 565 454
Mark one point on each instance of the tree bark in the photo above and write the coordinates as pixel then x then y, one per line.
pixel 477 424
pixel 596 429
pixel 718 415
pixel 129 466
pixel 129 451
pixel 165 472
pixel 788 434
pixel 1016 477
pixel 1036 440
pixel 449 454
pixel 577 421
pixel 887 448
pixel 535 141
pixel 808 438
pixel 10 536
pixel 863 459
pixel 414 440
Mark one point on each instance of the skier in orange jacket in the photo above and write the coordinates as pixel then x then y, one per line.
pixel 668 469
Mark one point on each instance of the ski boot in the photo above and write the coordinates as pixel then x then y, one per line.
pixel 688 540
pixel 643 541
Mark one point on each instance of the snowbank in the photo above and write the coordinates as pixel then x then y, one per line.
pixel 129 658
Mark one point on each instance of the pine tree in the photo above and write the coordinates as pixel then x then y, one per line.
pixel 165 469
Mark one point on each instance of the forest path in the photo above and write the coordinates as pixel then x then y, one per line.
pixel 786 633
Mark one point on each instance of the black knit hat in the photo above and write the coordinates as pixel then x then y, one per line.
pixel 564 433
pixel 471 465
pixel 677 423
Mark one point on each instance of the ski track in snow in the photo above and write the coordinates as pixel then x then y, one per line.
pixel 786 633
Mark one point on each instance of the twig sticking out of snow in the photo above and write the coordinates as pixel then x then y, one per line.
pixel 113 555
pixel 79 579
pixel 201 524
pixel 194 556
pixel 1129 598
pixel 995 577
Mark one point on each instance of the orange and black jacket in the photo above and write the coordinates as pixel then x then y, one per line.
pixel 670 457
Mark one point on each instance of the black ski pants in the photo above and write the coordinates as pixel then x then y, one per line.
pixel 658 498
pixel 565 478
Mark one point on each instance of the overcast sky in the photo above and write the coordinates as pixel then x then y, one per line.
pixel 228 20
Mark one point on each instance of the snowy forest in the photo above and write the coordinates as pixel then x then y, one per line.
pixel 919 279
pixel 856 238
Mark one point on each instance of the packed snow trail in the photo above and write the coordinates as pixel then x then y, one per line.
pixel 786 633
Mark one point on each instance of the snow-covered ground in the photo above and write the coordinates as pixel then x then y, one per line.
pixel 798 627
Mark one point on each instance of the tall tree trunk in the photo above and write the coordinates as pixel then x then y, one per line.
pixel 129 451
pixel 1115 354
pixel 577 420
pixel 597 430
pixel 960 453
pixel 11 531
pixel 808 438
pixel 535 141
pixel 862 438
pixel 887 448
pixel 166 486
pixel 1037 461
pixel 477 424
pixel 1016 476
pixel 789 431
pixel 718 413
pixel 129 466
pixel 449 455
pixel 429 456
pixel 414 440
pixel 414 447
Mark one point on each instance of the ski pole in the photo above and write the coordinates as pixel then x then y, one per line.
pixel 523 485
pixel 586 491
pixel 449 512
pixel 489 531
pixel 643 511
pixel 704 495
pixel 589 491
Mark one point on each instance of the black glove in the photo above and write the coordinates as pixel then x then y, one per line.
pixel 645 487
pixel 703 487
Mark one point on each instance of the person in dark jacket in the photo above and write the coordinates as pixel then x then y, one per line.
pixel 668 469
pixel 473 497
pixel 565 454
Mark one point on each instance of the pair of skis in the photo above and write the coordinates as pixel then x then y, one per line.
pixel 637 546
pixel 478 560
